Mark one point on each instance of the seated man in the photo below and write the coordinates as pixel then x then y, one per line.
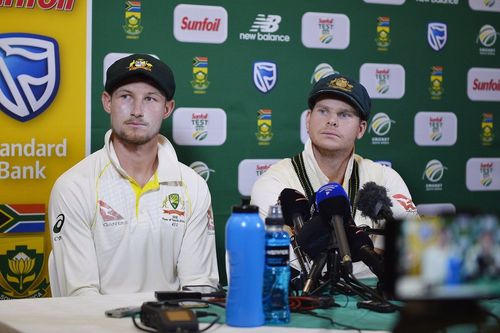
pixel 339 110
pixel 130 217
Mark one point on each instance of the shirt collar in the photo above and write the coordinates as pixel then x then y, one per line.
pixel 168 166
pixel 316 175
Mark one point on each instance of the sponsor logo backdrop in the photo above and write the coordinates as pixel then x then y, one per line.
pixel 43 111
pixel 434 79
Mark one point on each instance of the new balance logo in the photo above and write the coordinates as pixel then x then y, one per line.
pixel 266 24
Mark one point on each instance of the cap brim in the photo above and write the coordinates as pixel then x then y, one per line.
pixel 347 97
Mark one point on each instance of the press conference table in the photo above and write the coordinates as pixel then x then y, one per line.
pixel 86 315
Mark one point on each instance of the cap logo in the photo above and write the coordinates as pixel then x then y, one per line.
pixel 140 64
pixel 340 83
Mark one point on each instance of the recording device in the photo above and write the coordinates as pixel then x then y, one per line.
pixel 167 318
pixel 374 203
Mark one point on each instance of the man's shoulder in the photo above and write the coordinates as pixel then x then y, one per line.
pixel 85 169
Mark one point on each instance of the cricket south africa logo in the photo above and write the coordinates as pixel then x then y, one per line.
pixel 29 74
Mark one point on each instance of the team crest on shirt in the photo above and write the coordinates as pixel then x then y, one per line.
pixel 173 209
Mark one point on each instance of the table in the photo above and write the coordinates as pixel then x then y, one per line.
pixel 86 314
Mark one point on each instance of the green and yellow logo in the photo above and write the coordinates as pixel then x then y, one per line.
pixel 200 81
pixel 383 39
pixel 264 127
pixel 132 26
pixel 436 82
pixel 21 267
pixel 487 134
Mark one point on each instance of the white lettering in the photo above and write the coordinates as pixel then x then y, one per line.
pixel 34 149
pixel 22 171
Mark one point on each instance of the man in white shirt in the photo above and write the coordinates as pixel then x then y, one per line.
pixel 130 217
pixel 339 110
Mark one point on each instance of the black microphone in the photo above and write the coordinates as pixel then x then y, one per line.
pixel 361 247
pixel 374 203
pixel 295 208
pixel 333 206
pixel 316 269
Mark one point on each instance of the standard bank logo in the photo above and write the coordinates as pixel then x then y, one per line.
pixel 265 75
pixel 29 71
pixel 437 35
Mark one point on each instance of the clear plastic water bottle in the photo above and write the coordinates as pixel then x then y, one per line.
pixel 277 269
pixel 245 244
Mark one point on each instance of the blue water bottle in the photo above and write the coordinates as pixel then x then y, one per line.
pixel 245 237
pixel 277 269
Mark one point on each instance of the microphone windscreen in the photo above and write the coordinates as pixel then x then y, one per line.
pixel 314 237
pixel 293 202
pixel 331 199
pixel 357 239
pixel 372 198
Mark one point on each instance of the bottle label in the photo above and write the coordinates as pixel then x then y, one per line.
pixel 277 255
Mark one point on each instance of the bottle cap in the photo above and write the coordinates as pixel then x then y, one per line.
pixel 245 209
pixel 275 216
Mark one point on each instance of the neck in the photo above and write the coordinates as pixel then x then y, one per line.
pixel 333 164
pixel 139 161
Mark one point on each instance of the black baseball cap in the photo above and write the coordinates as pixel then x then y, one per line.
pixel 141 65
pixel 345 88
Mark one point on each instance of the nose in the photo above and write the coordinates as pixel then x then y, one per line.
pixel 137 109
pixel 333 122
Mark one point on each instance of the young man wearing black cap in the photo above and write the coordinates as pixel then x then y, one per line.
pixel 339 110
pixel 130 217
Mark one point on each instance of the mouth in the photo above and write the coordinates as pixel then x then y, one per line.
pixel 135 123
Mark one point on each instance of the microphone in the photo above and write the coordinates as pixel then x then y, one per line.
pixel 374 203
pixel 361 247
pixel 295 208
pixel 333 207
pixel 315 271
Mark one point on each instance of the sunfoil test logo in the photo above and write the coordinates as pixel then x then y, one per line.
pixel 29 74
